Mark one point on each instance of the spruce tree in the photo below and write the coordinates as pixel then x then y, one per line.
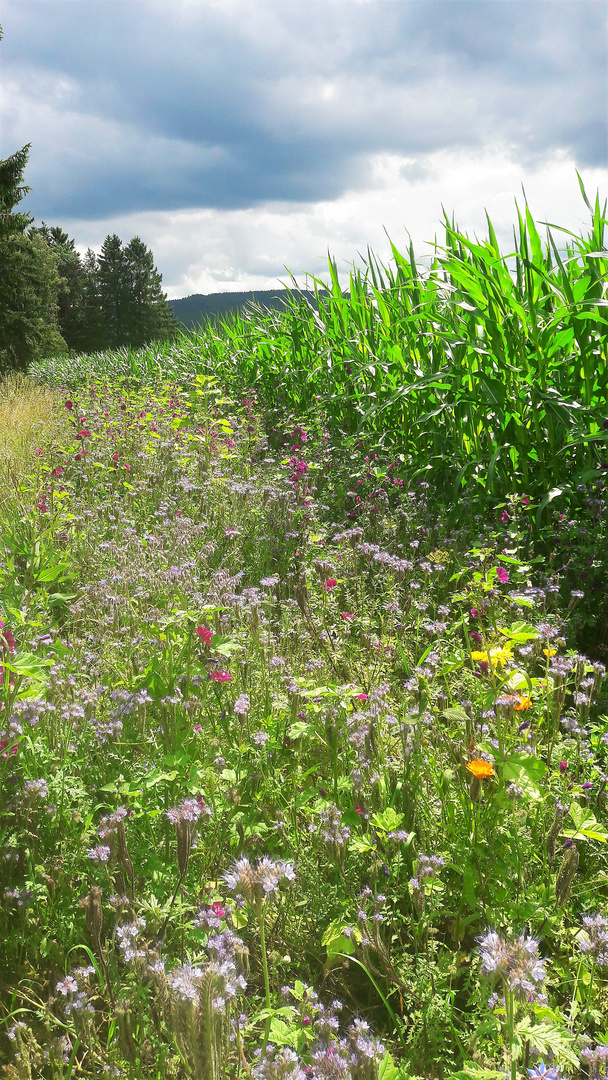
pixel 71 316
pixel 29 278
pixel 149 317
pixel 96 334
pixel 113 286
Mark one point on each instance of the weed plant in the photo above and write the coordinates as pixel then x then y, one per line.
pixel 302 776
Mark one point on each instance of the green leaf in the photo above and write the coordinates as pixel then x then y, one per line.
pixel 524 770
pixel 388 820
pixel 470 882
pixel 336 942
pixel 224 645
pixel 587 825
pixel 387 1070
pixel 520 632
pixel 281 1033
pixel 361 846
pixel 29 666
pixel 550 1038
pixel 457 714
pixel 298 729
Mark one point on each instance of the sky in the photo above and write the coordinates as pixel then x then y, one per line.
pixel 243 140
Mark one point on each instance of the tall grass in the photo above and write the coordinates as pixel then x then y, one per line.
pixel 486 368
pixel 28 422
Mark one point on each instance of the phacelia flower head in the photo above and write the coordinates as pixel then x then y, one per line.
pixel 255 883
pixel 516 963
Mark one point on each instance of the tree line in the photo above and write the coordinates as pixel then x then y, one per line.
pixel 54 301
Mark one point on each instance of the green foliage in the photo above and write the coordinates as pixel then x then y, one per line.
pixel 29 280
pixel 231 642
pixel 485 370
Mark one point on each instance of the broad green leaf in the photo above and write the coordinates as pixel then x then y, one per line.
pixel 388 820
pixel 587 825
pixel 520 632
pixel 455 713
pixel 387 1070
pixel 335 941
pixel 524 770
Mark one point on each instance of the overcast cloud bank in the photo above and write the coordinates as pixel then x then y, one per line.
pixel 237 138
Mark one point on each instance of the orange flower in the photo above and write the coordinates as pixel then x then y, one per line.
pixel 521 703
pixel 480 769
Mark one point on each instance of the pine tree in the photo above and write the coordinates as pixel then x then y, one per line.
pixel 113 286
pixel 71 315
pixel 29 280
pixel 149 317
pixel 96 334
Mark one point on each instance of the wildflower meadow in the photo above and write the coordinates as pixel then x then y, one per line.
pixel 304 716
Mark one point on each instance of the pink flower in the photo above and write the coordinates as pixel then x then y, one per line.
pixel 563 765
pixel 220 676
pixel 502 574
pixel 115 457
pixel 69 405
pixel 6 742
pixel 361 697
pixel 504 516
pixel 526 500
pixel 347 615
pixel 206 635
pixel 218 909
pixel 7 640
pixel 57 472
pixel 330 583
pixel 38 450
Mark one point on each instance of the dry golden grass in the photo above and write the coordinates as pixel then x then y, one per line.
pixel 28 421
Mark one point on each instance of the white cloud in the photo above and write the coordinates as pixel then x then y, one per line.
pixel 205 251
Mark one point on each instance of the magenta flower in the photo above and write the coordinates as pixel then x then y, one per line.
pixel 502 574
pixel 361 697
pixel 220 676
pixel 330 583
pixel 205 634
pixel 563 765
pixel 7 640
pixel 504 516
pixel 347 615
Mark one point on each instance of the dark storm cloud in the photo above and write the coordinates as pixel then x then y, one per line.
pixel 148 106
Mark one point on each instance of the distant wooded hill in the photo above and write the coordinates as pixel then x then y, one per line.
pixel 193 310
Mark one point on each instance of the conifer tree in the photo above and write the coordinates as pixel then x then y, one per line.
pixel 113 286
pixel 71 315
pixel 96 334
pixel 149 317
pixel 29 278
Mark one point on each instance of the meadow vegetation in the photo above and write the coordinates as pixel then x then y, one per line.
pixel 304 727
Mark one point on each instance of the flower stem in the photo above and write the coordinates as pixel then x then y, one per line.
pixel 265 973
